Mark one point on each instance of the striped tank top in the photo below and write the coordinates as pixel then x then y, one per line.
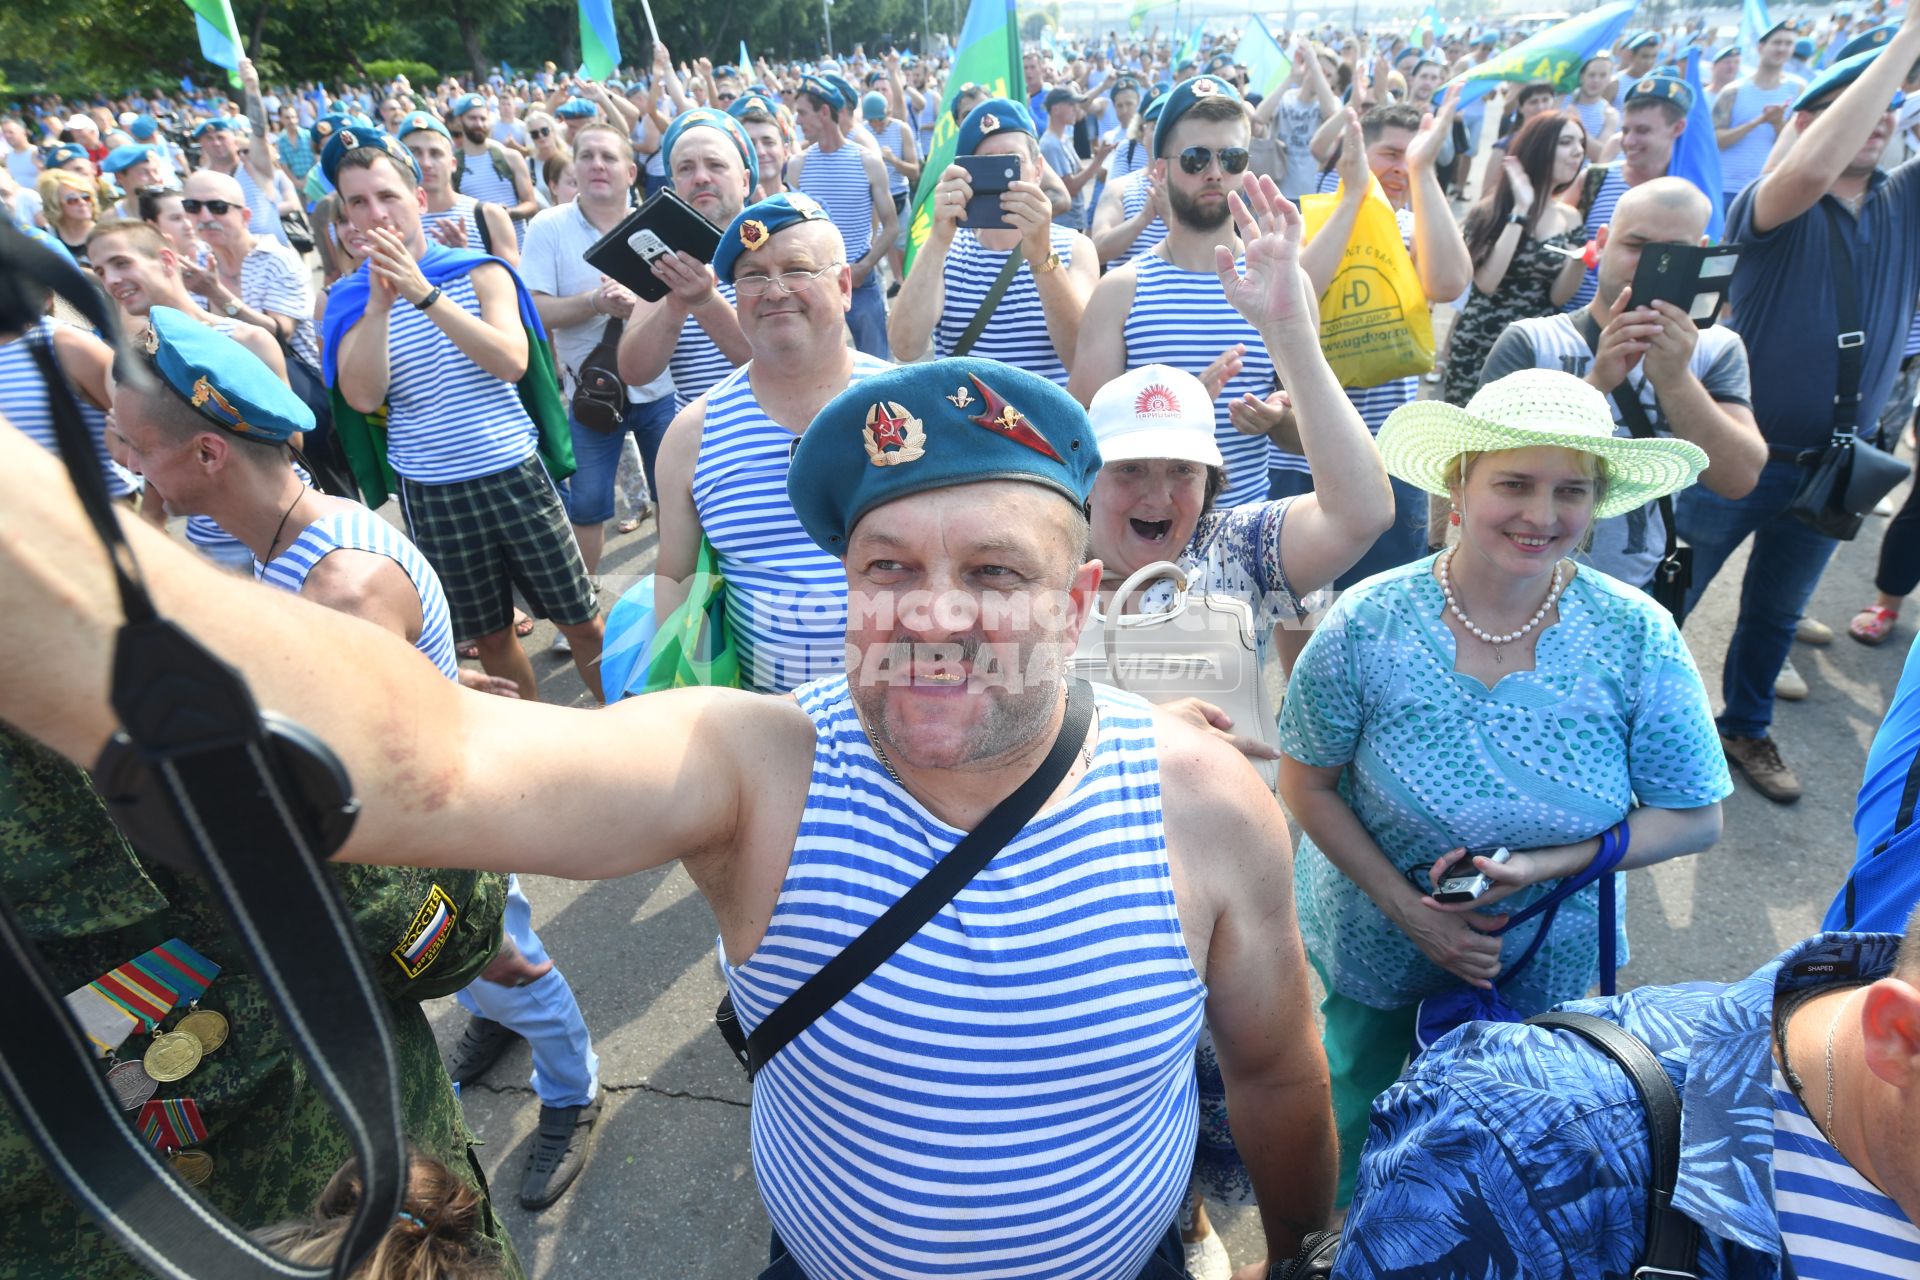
pixel 697 364
pixel 448 419
pixel 24 403
pixel 837 180
pixel 359 529
pixel 1017 333
pixel 263 215
pixel 1742 162
pixel 925 120
pixel 1129 157
pixel 1012 1092
pixel 1183 318
pixel 1593 115
pixel 891 138
pixel 464 207
pixel 1612 187
pixel 1834 1224
pixel 479 179
pixel 1133 198
pixel 786 598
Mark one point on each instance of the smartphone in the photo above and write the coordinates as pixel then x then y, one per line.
pixel 1692 277
pixel 1466 883
pixel 990 176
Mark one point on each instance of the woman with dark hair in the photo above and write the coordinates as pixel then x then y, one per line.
pixel 1511 236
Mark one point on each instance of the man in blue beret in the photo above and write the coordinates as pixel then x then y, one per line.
pixel 765 124
pixel 225 149
pixel 850 183
pixel 132 168
pixel 951 495
pixel 449 344
pixel 456 220
pixel 1826 209
pixel 1643 53
pixel 1749 113
pixel 948 301
pixel 489 171
pixel 1651 122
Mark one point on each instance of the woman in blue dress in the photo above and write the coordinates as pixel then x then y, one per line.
pixel 1494 694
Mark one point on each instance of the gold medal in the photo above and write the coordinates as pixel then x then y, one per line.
pixel 206 1026
pixel 194 1167
pixel 172 1056
pixel 131 1084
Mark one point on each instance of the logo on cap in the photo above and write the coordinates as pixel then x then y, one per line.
pixel 961 397
pixel 323 128
pixel 1156 401
pixel 1003 419
pixel 893 435
pixel 1203 87
pixel 989 122
pixel 203 391
pixel 753 234
pixel 347 139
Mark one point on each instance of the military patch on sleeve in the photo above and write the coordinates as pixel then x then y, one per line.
pixel 427 933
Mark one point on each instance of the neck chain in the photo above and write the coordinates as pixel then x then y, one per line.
pixel 1790 1007
pixel 282 526
pixel 1480 633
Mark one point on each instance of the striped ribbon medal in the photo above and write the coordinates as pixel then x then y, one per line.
pixel 181 967
pixel 173 1124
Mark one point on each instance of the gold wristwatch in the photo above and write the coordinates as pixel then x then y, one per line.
pixel 1051 264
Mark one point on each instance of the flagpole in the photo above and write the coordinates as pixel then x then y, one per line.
pixel 826 13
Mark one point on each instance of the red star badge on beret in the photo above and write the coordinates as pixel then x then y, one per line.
pixel 753 234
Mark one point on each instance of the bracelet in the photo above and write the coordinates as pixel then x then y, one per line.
pixel 1516 220
pixel 433 296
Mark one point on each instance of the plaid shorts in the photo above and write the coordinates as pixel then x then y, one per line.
pixel 486 536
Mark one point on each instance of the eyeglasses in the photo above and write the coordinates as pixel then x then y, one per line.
pixel 1232 159
pixel 77 199
pixel 540 133
pixel 752 286
pixel 218 208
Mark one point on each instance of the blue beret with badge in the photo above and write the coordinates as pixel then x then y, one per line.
pixel 1839 76
pixel 356 139
pixel 1659 88
pixel 1867 40
pixel 823 89
pixel 759 223
pixel 205 127
pixel 122 158
pixel 323 128
pixel 1642 40
pixel 62 153
pixel 1180 101
pixel 1724 52
pixel 576 109
pixel 849 96
pixel 1152 110
pixel 995 115
pixel 921 427
pixel 746 102
pixel 415 121
pixel 709 118
pixel 465 103
pixel 1774 30
pixel 221 380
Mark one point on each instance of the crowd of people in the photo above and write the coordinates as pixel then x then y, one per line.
pixel 943 441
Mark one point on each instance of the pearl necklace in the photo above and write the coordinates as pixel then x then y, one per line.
pixel 1453 605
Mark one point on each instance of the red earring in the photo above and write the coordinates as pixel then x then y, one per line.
pixel 1453 518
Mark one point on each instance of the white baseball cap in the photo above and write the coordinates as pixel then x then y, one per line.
pixel 1155 411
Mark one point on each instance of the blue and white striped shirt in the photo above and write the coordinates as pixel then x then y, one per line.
pixel 1611 188
pixel 837 181
pixel 447 418
pixel 263 214
pixel 1133 198
pixel 1012 1092
pixel 1017 331
pixel 24 403
pixel 358 529
pixel 464 207
pixel 273 278
pixel 1834 1224
pixel 697 363
pixel 481 180
pixel 1130 156
pixel 1183 319
pixel 786 598
pixel 890 138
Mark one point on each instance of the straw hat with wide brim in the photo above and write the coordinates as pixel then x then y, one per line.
pixel 1530 408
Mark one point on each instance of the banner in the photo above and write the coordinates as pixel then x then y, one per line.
pixel 1266 62
pixel 1696 155
pixel 1426 32
pixel 1553 55
pixel 988 54
pixel 1137 15
pixel 1754 23
pixel 746 64
pixel 599 39
pixel 219 35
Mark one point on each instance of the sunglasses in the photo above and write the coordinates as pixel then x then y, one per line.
pixel 218 208
pixel 540 133
pixel 1232 159
pixel 76 199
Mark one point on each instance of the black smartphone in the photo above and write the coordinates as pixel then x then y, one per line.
pixel 990 176
pixel 1692 277
pixel 1463 881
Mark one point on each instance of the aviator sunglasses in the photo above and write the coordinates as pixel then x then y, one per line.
pixel 1232 159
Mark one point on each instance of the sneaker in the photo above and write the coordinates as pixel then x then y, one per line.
pixel 560 643
pixel 560 1147
pixel 481 1045
pixel 1207 1258
pixel 1789 684
pixel 1812 631
pixel 1760 760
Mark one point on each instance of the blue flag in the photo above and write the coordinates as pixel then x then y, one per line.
pixel 1754 23
pixel 599 39
pixel 1696 156
pixel 746 63
pixel 1554 54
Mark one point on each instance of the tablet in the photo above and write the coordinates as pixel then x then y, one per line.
pixel 1692 277
pixel 663 224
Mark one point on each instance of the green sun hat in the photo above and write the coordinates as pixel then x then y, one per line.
pixel 1530 408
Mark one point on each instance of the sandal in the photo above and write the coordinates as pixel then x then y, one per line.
pixel 468 651
pixel 522 624
pixel 1873 624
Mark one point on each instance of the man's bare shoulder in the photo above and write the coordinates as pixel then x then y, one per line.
pixel 1206 783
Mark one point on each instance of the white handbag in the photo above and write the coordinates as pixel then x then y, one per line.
pixel 1203 646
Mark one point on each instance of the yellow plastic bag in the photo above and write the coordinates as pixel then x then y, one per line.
pixel 1375 323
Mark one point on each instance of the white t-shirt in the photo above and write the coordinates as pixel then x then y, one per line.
pixel 510 131
pixel 553 261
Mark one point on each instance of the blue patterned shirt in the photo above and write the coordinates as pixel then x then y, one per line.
pixel 1510 1150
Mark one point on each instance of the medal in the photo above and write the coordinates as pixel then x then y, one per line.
pixel 194 1167
pixel 131 1084
pixel 171 1123
pixel 172 1056
pixel 204 1025
pixel 178 966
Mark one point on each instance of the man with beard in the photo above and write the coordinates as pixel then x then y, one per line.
pixel 453 219
pixel 1168 307
pixel 488 171
pixel 1149 892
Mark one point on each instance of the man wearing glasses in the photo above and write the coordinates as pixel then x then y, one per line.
pixel 249 278
pixel 723 466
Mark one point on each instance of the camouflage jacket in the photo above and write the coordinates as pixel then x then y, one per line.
pixel 90 904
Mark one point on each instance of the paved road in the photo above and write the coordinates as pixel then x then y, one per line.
pixel 670 1191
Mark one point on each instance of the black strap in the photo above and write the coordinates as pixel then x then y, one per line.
pixel 1851 338
pixel 978 325
pixel 1634 413
pixel 1673 1240
pixel 916 906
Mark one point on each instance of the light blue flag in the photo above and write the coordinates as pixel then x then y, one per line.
pixel 599 39
pixel 746 63
pixel 1696 156
pixel 1266 62
pixel 1554 54
pixel 1754 23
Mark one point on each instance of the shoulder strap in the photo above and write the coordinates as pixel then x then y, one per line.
pixel 480 208
pixel 1590 189
pixel 917 905
pixel 502 167
pixel 978 325
pixel 1673 1239
pixel 1634 414
pixel 1851 338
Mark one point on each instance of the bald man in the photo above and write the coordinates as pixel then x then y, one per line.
pixel 251 279
pixel 1689 382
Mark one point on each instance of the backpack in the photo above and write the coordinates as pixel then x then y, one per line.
pixel 495 152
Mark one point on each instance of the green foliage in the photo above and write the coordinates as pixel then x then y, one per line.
pixel 418 74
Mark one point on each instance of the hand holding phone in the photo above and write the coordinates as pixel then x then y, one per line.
pixel 1465 882
pixel 989 176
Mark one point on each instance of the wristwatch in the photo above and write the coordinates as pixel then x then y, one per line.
pixel 1517 219
pixel 1051 264
pixel 232 308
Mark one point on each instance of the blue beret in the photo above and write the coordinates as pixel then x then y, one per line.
pixel 207 126
pixel 1152 110
pixel 576 109
pixel 63 153
pixel 465 103
pixel 122 158
pixel 849 96
pixel 1162 86
pixel 1663 89
pixel 224 382
pixel 1839 76
pixel 1405 54
pixel 823 89
pixel 709 118
pixel 1120 84
pixel 323 128
pixel 1642 40
pixel 143 128
pixel 1181 100
pixel 415 121
pixel 1774 30
pixel 759 223
pixel 874 106
pixel 1724 52
pixel 1872 39
pixel 1219 60
pixel 995 115
pixel 754 102
pixel 1488 37
pixel 1802 48
pixel 355 139
pixel 931 426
